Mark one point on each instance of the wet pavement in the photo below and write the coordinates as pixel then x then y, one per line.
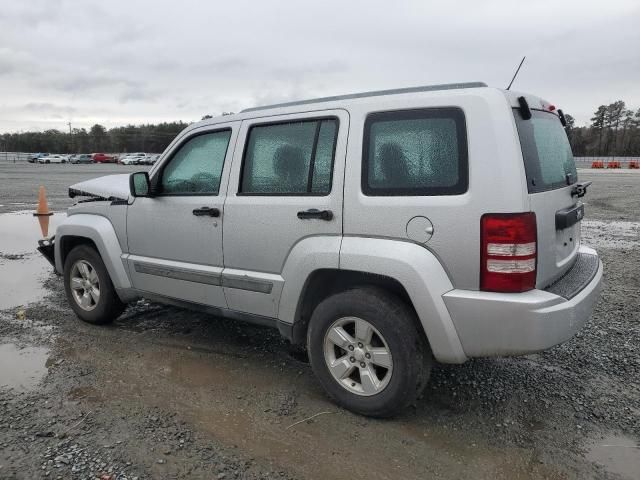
pixel 22 269
pixel 618 454
pixel 168 393
pixel 22 368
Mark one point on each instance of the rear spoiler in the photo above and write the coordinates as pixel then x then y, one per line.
pixel 525 111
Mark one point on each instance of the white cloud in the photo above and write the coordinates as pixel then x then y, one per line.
pixel 147 61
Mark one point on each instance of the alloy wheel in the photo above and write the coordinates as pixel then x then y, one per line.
pixel 357 356
pixel 85 285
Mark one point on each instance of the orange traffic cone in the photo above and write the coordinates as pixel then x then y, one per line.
pixel 42 212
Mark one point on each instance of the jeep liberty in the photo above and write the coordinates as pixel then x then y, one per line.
pixel 383 231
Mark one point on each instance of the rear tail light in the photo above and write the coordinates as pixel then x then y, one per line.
pixel 508 255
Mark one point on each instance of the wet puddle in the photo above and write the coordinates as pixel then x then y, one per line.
pixel 617 454
pixel 22 268
pixel 22 368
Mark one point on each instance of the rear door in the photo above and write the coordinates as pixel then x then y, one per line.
pixel 286 185
pixel 551 173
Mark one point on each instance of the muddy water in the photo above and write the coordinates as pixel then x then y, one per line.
pixel 617 454
pixel 22 368
pixel 22 268
pixel 239 401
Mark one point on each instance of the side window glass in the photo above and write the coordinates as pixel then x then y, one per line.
pixel 293 158
pixel 417 152
pixel 196 168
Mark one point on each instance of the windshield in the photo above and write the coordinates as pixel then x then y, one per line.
pixel 548 160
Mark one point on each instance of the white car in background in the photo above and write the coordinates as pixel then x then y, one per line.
pixel 151 159
pixel 52 159
pixel 133 159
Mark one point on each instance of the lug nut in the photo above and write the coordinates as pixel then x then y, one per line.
pixel 352 359
pixel 362 364
pixel 360 345
pixel 368 355
pixel 351 347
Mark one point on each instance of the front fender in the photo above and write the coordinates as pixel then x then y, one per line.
pixel 422 276
pixel 100 231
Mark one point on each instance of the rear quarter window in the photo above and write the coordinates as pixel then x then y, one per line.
pixel 548 160
pixel 415 152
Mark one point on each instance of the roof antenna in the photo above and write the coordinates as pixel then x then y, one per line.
pixel 516 74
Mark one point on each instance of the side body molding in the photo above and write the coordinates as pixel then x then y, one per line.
pixel 100 230
pixel 422 276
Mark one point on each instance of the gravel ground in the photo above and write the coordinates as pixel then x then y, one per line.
pixel 166 393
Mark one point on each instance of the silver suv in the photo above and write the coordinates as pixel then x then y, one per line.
pixel 383 230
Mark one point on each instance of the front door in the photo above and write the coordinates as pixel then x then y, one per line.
pixel 175 237
pixel 285 187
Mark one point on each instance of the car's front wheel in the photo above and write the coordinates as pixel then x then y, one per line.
pixel 367 352
pixel 88 286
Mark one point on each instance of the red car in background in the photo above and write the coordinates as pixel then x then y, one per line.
pixel 103 158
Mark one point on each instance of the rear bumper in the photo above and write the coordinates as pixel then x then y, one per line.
pixel 491 324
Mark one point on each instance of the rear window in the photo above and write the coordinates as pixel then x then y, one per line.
pixel 548 160
pixel 415 152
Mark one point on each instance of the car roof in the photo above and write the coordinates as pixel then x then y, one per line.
pixel 344 99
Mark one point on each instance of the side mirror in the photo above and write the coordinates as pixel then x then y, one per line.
pixel 139 184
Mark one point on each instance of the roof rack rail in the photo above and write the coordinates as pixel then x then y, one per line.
pixel 377 93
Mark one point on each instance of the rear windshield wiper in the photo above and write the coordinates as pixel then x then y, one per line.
pixel 580 189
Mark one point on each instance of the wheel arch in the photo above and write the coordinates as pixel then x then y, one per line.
pixel 409 270
pixel 98 232
pixel 322 283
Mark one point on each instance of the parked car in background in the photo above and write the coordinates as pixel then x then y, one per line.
pixel 36 156
pixel 133 159
pixel 81 158
pixel 52 159
pixel 152 159
pixel 103 158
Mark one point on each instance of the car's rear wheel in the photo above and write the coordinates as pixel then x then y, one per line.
pixel 367 352
pixel 88 286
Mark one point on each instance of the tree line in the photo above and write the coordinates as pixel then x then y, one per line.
pixel 614 131
pixel 131 138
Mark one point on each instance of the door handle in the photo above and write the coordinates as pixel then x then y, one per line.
pixel 206 212
pixel 315 213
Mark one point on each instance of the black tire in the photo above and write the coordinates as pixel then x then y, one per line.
pixel 397 323
pixel 109 306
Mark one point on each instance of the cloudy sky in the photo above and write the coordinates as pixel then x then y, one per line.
pixel 117 62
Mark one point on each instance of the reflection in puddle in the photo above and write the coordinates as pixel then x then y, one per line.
pixel 22 268
pixel 22 368
pixel 618 454
pixel 21 280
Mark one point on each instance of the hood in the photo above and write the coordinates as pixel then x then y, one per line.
pixel 109 187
